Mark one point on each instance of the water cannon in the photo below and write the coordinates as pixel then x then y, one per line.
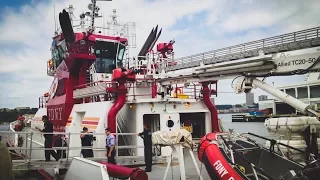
pixel 122 74
pixel 165 48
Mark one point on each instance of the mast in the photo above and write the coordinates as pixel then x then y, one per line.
pixel 93 14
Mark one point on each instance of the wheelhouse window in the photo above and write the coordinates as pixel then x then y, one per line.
pixel 109 56
pixel 57 56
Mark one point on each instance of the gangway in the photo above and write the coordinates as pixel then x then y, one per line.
pixel 288 54
pixel 283 55
pixel 283 43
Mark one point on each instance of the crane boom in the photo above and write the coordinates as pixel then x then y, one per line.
pixel 288 54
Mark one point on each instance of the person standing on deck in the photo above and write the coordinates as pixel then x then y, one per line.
pixel 110 146
pixel 86 141
pixel 48 138
pixel 146 135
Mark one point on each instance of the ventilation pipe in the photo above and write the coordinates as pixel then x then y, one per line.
pixel 206 92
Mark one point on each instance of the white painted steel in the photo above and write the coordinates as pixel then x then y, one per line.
pixel 285 125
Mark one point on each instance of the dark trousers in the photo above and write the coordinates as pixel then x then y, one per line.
pixel 47 153
pixel 111 159
pixel 60 143
pixel 87 153
pixel 61 153
pixel 148 157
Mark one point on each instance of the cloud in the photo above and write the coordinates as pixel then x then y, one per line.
pixel 196 25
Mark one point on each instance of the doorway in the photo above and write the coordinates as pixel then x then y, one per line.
pixel 153 122
pixel 194 123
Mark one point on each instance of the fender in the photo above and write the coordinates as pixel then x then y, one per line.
pixel 210 155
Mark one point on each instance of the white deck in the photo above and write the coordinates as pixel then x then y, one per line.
pixel 174 172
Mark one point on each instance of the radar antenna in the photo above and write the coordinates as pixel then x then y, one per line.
pixel 94 12
pixel 128 30
pixel 71 15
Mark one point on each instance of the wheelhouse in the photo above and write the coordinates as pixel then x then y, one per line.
pixel 109 52
pixel 109 56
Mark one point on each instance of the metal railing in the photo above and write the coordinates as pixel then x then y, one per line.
pixel 27 148
pixel 43 102
pixel 286 42
pixel 123 128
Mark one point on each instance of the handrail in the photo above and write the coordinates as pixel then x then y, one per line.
pixel 230 147
pixel 120 125
pixel 245 48
pixel 274 142
pixel 67 148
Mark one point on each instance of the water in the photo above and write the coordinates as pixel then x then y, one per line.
pixel 4 127
pixel 243 127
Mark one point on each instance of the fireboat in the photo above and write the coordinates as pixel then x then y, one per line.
pixel 96 84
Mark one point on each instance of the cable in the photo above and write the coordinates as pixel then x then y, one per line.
pixel 200 170
pixel 233 81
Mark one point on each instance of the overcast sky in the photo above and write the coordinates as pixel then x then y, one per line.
pixel 26 28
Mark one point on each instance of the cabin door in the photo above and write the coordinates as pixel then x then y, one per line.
pixel 153 122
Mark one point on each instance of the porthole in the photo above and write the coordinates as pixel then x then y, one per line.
pixel 170 123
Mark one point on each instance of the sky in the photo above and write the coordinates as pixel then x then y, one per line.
pixel 26 28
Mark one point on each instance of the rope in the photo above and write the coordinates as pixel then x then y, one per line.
pixel 200 170
pixel 172 167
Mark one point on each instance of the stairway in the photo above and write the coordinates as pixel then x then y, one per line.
pixel 123 140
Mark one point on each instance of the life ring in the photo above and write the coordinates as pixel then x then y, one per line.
pixel 210 155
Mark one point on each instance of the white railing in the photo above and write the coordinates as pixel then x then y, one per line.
pixel 286 42
pixel 28 148
pixel 122 128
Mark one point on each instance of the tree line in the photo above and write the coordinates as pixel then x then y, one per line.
pixel 12 115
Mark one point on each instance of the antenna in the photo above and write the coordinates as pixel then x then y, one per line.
pixel 71 15
pixel 54 16
pixel 94 2
pixel 94 12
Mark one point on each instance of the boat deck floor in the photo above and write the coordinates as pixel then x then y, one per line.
pixel 158 169
pixel 157 172
pixel 174 171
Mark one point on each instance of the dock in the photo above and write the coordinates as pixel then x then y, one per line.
pixel 258 118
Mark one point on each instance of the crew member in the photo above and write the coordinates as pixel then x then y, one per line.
pixel 146 136
pixel 60 142
pixel 48 128
pixel 86 141
pixel 110 146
